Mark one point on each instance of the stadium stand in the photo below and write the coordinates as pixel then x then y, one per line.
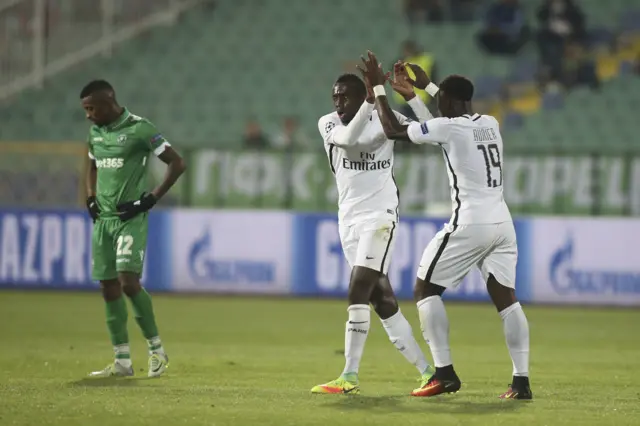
pixel 206 75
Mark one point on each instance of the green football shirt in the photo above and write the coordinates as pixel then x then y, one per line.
pixel 121 151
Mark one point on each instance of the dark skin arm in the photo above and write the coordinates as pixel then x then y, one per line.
pixel 390 124
pixel 91 177
pixel 175 167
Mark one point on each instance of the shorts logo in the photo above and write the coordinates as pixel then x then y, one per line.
pixel 424 128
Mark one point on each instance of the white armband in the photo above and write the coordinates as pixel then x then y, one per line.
pixel 432 89
pixel 379 90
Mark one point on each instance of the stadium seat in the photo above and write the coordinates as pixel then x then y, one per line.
pixel 552 100
pixel 202 78
pixel 512 121
pixel 488 87
pixel 523 70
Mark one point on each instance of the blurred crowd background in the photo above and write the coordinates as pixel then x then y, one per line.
pixel 238 87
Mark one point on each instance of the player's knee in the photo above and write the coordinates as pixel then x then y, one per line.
pixel 130 283
pixel 363 281
pixel 111 290
pixel 501 295
pixel 423 289
pixel 385 305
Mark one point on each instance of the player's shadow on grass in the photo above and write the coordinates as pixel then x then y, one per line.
pixel 363 402
pixel 451 405
pixel 444 405
pixel 108 382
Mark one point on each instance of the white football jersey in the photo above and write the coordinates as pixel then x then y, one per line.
pixel 472 149
pixel 363 166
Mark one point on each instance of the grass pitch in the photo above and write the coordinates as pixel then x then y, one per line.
pixel 247 361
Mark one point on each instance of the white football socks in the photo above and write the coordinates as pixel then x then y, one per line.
pixel 123 355
pixel 356 332
pixel 516 333
pixel 435 329
pixel 401 335
pixel 155 345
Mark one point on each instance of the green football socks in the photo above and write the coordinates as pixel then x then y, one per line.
pixel 145 318
pixel 116 311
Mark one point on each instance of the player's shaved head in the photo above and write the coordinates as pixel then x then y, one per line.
pixel 98 88
pixel 349 92
pixel 458 87
pixel 354 82
pixel 454 97
pixel 99 102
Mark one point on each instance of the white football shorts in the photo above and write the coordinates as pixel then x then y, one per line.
pixel 456 249
pixel 369 244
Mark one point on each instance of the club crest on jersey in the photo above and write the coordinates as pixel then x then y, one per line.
pixel 122 139
pixel 330 125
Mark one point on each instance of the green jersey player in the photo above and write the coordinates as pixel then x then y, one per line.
pixel 120 144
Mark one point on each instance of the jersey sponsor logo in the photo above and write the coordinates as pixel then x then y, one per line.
pixel 367 162
pixel 110 163
pixel 568 279
pixel 122 139
pixel 424 128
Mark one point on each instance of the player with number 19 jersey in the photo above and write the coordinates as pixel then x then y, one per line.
pixel 473 153
pixel 480 232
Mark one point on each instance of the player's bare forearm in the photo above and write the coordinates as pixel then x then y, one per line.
pixel 91 177
pixel 390 124
pixel 175 167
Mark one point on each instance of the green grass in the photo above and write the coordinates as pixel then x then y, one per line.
pixel 238 361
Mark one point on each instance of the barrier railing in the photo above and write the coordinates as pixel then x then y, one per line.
pixel 43 38
pixel 568 183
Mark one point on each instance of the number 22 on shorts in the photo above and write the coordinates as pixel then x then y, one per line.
pixel 124 244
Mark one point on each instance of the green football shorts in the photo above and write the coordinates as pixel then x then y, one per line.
pixel 118 246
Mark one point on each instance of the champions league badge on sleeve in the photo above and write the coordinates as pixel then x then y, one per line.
pixel 329 126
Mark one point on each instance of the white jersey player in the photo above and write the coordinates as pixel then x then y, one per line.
pixel 480 233
pixel 361 158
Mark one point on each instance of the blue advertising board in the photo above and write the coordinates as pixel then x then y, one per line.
pixel 52 249
pixel 231 251
pixel 320 269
